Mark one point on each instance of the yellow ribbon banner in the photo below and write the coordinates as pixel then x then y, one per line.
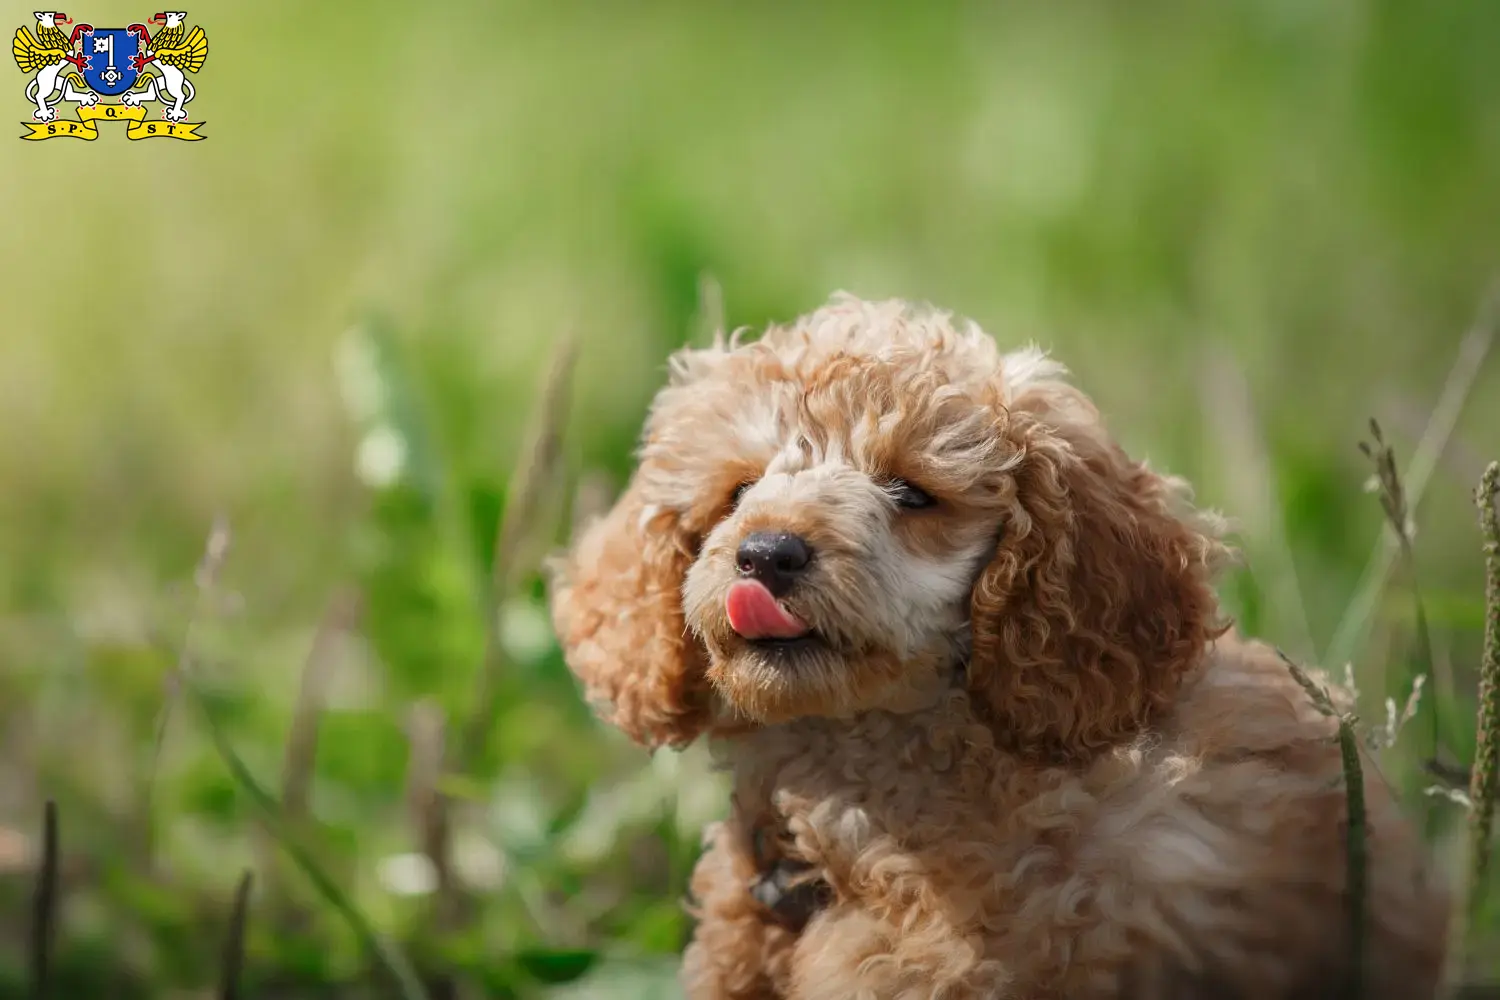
pixel 84 128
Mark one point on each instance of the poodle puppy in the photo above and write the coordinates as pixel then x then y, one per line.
pixel 963 659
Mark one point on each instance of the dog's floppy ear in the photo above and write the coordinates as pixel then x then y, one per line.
pixel 617 595
pixel 1099 596
pixel 617 609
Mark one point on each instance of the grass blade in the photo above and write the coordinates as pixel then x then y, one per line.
pixel 708 319
pixel 302 738
pixel 429 808
pixel 426 801
pixel 234 940
pixel 529 482
pixel 204 578
pixel 1251 479
pixel 300 754
pixel 1356 853
pixel 44 907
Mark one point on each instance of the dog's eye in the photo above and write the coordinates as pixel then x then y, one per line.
pixel 739 492
pixel 908 496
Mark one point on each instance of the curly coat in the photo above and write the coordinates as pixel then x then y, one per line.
pixel 1019 755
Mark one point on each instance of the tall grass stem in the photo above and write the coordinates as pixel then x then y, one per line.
pixel 1484 778
pixel 1349 637
pixel 1356 850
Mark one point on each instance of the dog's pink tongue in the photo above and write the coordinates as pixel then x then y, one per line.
pixel 754 613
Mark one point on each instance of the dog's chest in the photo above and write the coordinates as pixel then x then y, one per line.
pixel 887 806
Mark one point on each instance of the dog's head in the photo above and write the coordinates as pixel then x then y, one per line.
pixel 871 503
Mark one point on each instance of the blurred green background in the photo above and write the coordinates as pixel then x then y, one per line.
pixel 1247 227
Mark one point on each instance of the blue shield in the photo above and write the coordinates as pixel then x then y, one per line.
pixel 109 60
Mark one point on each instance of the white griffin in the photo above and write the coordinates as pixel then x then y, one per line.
pixel 46 56
pixel 173 57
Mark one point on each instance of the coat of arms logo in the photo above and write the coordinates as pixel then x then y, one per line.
pixel 130 64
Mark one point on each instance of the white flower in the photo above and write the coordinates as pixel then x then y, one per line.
pixel 381 457
pixel 525 630
pixel 409 874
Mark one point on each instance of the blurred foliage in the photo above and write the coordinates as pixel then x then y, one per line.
pixel 1246 227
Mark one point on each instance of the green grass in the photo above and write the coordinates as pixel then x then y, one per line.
pixel 1247 228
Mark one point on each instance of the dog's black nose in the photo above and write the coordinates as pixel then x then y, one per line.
pixel 775 558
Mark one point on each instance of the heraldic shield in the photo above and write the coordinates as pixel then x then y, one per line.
pixel 110 61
